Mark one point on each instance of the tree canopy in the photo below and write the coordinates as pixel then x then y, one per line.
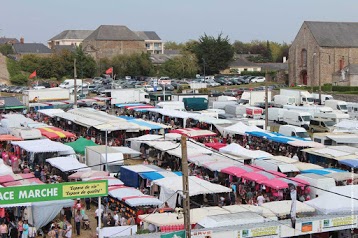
pixel 213 53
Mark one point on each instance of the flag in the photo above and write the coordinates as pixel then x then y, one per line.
pixel 33 75
pixel 109 71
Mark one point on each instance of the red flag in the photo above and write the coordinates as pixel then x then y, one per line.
pixel 109 71
pixel 33 75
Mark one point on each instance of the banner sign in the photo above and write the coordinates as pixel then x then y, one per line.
pixel 177 234
pixel 56 191
pixel 269 231
pixel 347 221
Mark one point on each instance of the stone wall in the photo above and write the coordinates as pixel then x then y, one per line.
pixel 108 49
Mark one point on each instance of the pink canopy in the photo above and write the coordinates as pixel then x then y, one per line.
pixel 275 183
pixel 15 177
pixel 260 176
pixel 296 181
pixel 239 170
pixel 30 181
pixel 88 174
pixel 216 145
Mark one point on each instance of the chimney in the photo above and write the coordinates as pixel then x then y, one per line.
pixel 284 59
pixel 22 40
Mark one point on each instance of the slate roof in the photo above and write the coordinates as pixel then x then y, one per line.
pixel 242 63
pixel 11 102
pixel 113 33
pixel 273 66
pixel 72 34
pixel 352 69
pixel 161 58
pixel 59 48
pixel 31 48
pixel 4 40
pixel 148 35
pixel 334 34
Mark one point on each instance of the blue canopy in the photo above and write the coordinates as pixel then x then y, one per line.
pixel 156 175
pixel 322 171
pixel 272 136
pixel 353 163
pixel 142 123
pixel 129 104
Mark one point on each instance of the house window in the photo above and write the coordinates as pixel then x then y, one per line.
pixel 147 45
pixel 329 59
pixel 245 69
pixel 304 58
pixel 157 45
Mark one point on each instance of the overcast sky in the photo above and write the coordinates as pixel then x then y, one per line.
pixel 173 20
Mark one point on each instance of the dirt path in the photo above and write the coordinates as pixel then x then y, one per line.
pixel 4 74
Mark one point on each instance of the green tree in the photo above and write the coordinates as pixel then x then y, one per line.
pixel 135 64
pixel 6 49
pixel 215 53
pixel 241 47
pixel 86 65
pixel 184 66
pixel 172 45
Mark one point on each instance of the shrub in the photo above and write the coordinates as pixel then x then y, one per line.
pixel 19 79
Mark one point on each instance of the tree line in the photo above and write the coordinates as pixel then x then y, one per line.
pixel 207 55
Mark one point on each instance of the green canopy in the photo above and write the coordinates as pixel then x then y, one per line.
pixel 80 144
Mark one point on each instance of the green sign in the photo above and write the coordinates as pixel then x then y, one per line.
pixel 177 234
pixel 49 192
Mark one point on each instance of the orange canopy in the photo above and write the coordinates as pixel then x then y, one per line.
pixel 55 133
pixel 9 138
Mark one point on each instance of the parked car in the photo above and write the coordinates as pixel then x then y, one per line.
pixel 233 92
pixel 168 87
pixel 258 79
pixel 215 93
pixel 235 81
pixel 148 88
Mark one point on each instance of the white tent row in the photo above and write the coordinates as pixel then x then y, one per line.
pixel 133 197
pixel 15 120
pixel 346 126
pixel 66 164
pixel 50 112
pixel 44 145
pixel 238 150
pixel 171 186
pixel 186 115
pixel 282 208
pixel 340 200
pixel 232 219
pixel 240 128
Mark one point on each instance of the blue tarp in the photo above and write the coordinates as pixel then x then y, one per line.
pixel 129 104
pixel 353 163
pixel 322 171
pixel 155 175
pixel 142 123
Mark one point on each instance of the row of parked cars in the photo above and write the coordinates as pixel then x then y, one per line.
pixel 238 92
pixel 13 89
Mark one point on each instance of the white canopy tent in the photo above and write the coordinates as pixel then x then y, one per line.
pixel 51 112
pixel 43 145
pixel 66 164
pixel 238 150
pixel 240 128
pixel 263 211
pixel 126 150
pixel 4 169
pixel 340 200
pixel 173 185
pixel 232 219
pixel 282 208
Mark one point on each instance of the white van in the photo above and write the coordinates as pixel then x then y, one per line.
pixel 318 183
pixel 324 97
pixel 70 83
pixel 337 105
pixel 352 110
pixel 297 118
pixel 281 100
pixel 276 114
pixel 336 116
pixel 289 130
pixel 172 105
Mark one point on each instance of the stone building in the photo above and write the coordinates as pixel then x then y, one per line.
pixel 321 52
pixel 153 43
pixel 109 40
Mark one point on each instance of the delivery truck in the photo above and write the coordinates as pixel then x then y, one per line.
pixel 45 95
pixel 130 95
pixel 252 97
pixel 302 97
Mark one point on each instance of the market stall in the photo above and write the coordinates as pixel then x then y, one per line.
pixel 65 166
pixel 194 133
pixel 283 208
pixel 54 133
pixel 215 145
pixel 238 150
pixel 79 146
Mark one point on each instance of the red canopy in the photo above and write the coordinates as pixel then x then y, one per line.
pixel 54 133
pixel 275 183
pixel 216 145
pixel 9 138
pixel 239 170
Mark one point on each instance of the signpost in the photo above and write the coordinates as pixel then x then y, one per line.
pixel 50 192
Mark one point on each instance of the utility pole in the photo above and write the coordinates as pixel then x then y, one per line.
pixel 75 84
pixel 184 165
pixel 319 80
pixel 266 101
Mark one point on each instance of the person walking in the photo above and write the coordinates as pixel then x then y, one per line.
pixel 88 203
pixel 20 227
pixel 3 230
pixel 78 219
pixel 25 231
pixel 68 232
